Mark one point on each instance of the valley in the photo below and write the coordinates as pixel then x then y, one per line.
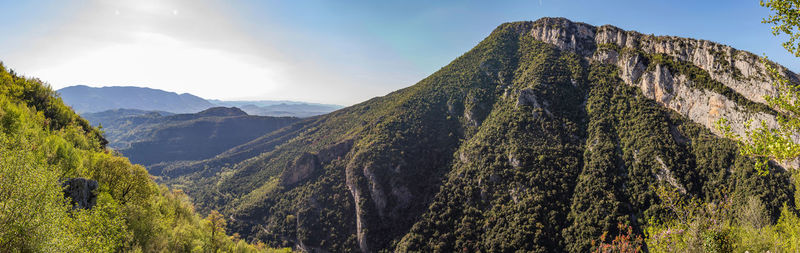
pixel 149 138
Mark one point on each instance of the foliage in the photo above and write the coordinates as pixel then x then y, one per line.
pixel 43 142
pixel 625 242
pixel 216 223
pixel 765 142
pixel 708 227
pixel 33 216
pixel 785 20
pixel 696 226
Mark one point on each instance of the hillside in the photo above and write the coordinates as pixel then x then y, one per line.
pixel 542 138
pixel 61 190
pixel 153 137
pixel 85 99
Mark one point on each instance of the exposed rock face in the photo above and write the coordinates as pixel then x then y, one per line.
pixel 299 170
pixel 81 192
pixel 336 151
pixel 306 164
pixel 741 71
pixel 353 186
pixel 665 174
pixel 527 97
pixel 675 92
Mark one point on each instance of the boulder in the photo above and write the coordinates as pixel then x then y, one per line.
pixel 80 191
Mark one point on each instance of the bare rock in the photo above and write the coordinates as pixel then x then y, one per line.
pixel 527 97
pixel 80 191
pixel 335 151
pixel 300 169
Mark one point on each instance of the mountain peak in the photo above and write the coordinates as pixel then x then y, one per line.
pixel 222 111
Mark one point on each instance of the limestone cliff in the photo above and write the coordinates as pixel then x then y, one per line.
pixel 742 72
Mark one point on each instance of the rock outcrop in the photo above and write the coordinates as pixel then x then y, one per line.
pixel 80 191
pixel 306 164
pixel 336 151
pixel 300 169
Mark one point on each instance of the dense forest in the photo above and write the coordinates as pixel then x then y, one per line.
pixel 44 144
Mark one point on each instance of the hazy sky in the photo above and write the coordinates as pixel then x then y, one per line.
pixel 336 51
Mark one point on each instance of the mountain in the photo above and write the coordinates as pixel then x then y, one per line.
pixel 542 138
pixel 147 137
pixel 85 99
pixel 280 108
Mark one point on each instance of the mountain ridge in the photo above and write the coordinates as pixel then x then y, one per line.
pixel 740 69
pixel 90 99
pixel 149 138
pixel 85 99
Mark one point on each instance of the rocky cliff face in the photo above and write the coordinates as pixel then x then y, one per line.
pixel 742 72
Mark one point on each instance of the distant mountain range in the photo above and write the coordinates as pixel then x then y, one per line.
pixel 149 137
pixel 85 99
pixel 280 108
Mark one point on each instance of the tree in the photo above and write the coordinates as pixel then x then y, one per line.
pixel 765 143
pixel 217 224
pixel 786 20
pixel 32 210
pixel 625 242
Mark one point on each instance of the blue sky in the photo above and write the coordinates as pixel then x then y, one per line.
pixel 339 52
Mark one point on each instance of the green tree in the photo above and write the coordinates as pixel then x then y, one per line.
pixel 216 223
pixel 785 20
pixel 32 213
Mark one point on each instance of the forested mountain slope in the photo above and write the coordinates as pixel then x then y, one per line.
pixel 541 138
pixel 45 147
pixel 148 138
